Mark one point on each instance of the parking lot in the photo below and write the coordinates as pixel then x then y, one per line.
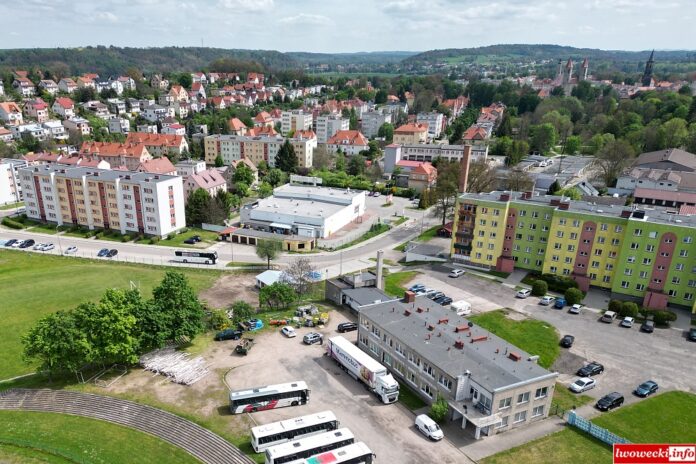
pixel 629 356
pixel 387 429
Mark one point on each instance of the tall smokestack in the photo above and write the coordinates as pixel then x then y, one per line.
pixel 380 256
pixel 464 169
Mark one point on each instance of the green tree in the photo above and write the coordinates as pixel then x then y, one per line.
pixel 340 162
pixel 277 296
pixel 520 149
pixel 219 162
pixel 265 190
pixel 553 188
pixel 198 207
pixel 225 202
pixel 439 409
pixel 381 96
pixel 241 311
pixel 573 296
pixel 353 120
pixel 446 188
pixel 218 320
pixel 386 130
pixel 177 301
pixel 268 250
pixel 612 158
pixel 543 137
pixel 275 177
pixel 558 91
pixel 482 177
pixel 286 159
pixel 185 80
pixel 572 144
pixel 244 174
pixel 570 192
pixel 676 132
pixel 356 165
pixel 505 128
pixel 539 288
pixel 241 189
pixel 56 343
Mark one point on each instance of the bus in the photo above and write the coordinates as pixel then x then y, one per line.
pixel 269 397
pixel 200 257
pixel 265 436
pixel 357 453
pixel 309 446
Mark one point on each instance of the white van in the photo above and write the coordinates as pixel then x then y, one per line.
pixel 429 428
pixel 461 307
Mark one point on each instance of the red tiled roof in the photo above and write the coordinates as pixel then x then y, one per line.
pixel 475 133
pixel 157 166
pixel 305 134
pixel 159 140
pixel 130 150
pixel 236 124
pixel 348 137
pixel 65 102
pixel 411 128
pixel 666 195
pixel 266 130
pixel 408 164
pixel 10 107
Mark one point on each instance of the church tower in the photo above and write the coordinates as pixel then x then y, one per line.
pixel 647 78
pixel 582 76
pixel 567 73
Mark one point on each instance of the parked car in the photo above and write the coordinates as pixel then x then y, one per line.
pixel 457 273
pixel 416 287
pixel 646 389
pixel 18 243
pixel 288 332
pixel 11 242
pixel 228 334
pixel 103 252
pixel 691 336
pixel 312 338
pixel 347 327
pixel 575 309
pixel 627 322
pixel 610 401
pixel 113 252
pixel 38 246
pixel 445 301
pixel 27 243
pixel 560 303
pixel 429 427
pixel 547 300
pixel 71 250
pixel 436 295
pixel 582 384
pixel 591 369
pixel 608 317
pixel 647 327
pixel 567 341
pixel 193 240
pixel 48 247
pixel 524 293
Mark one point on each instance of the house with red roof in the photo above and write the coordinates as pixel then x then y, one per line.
pixel 10 114
pixel 159 145
pixel 5 135
pixel 37 109
pixel 174 129
pixel 63 107
pixel 237 127
pixel 126 154
pixel 418 175
pixel 411 134
pixel 475 133
pixel 263 119
pixel 158 166
pixel 210 180
pixel 350 142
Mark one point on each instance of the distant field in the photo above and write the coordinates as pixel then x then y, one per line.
pixel 33 285
pixel 59 438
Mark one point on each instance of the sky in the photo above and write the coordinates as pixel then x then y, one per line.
pixel 349 25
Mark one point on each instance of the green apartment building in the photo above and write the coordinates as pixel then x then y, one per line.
pixel 645 254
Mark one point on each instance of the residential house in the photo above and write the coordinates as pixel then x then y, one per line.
pixel 328 125
pixel 33 129
pixel 435 121
pixel 36 109
pixel 159 83
pixel 63 107
pixel 295 120
pixel 77 125
pixel 98 109
pixel 237 127
pixel 127 82
pixel 158 166
pixel 147 128
pixel 174 129
pixel 199 77
pixel 116 154
pixel 159 145
pixel 198 90
pixel 350 142
pixel 189 167
pixel 49 86
pixel 119 125
pixel 86 82
pixel 178 93
pixel 154 113
pixel 10 113
pixel 24 86
pixel 235 164
pixel 116 106
pixel 412 133
pixel 5 135
pixel 209 180
pixel 418 175
pixel 67 85
pixel 2 89
pixel 394 153
pixel 55 129
pixel 263 119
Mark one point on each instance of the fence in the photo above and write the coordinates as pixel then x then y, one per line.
pixel 596 431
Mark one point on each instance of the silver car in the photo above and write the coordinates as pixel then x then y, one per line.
pixel 582 384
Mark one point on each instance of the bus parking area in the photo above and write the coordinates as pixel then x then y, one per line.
pixel 388 429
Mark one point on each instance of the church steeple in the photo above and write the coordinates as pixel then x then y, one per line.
pixel 646 80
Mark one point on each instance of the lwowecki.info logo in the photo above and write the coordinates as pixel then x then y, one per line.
pixel 654 453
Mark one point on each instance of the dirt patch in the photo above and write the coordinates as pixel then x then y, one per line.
pixel 567 362
pixel 514 315
pixel 230 288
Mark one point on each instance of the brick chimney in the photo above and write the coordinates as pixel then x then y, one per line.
pixel 464 169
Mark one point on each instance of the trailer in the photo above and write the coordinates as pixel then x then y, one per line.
pixel 244 346
pixel 364 368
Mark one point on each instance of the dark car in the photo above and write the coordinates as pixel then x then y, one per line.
pixel 610 401
pixel 440 299
pixel 347 327
pixel 445 301
pixel 103 252
pixel 646 389
pixel 113 252
pixel 591 369
pixel 193 240
pixel 691 336
pixel 11 242
pixel 27 243
pixel 567 341
pixel 228 334
pixel 436 295
pixel 647 327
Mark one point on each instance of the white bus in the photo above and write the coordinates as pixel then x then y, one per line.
pixel 269 397
pixel 309 446
pixel 265 436
pixel 357 453
pixel 200 257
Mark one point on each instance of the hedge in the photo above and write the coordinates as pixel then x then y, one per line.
pixel 7 222
pixel 663 317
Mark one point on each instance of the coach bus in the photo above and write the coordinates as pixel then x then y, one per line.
pixel 200 257
pixel 269 397
pixel 276 433
pixel 309 446
pixel 357 453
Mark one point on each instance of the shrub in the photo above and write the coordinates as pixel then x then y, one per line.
pixel 241 310
pixel 171 236
pixel 559 283
pixel 573 296
pixel 154 240
pixel 628 308
pixel 539 288
pixel 7 222
pixel 219 320
pixel 664 317
pixel 438 410
pixel 615 305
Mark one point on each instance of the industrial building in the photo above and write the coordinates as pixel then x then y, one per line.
pixel 306 211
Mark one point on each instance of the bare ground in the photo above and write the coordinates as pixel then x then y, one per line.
pixel 232 287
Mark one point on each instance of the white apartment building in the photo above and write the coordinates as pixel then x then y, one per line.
pixel 151 204
pixel 54 129
pixel 435 122
pixel 295 120
pixel 328 125
pixel 119 125
pixel 10 187
pixel 372 121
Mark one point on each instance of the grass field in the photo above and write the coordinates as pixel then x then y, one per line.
pixel 533 336
pixel 409 398
pixel 78 439
pixel 11 206
pixel 566 399
pixel 394 283
pixel 33 285
pixel 208 237
pixel 10 454
pixel 427 235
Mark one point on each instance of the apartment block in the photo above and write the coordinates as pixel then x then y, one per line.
pixel 258 148
pixel 10 187
pixel 295 120
pixel 640 253
pixel 371 122
pixel 395 152
pixel 137 202
pixel 328 125
pixel 490 385
pixel 435 122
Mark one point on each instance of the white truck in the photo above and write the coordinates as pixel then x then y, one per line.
pixel 363 367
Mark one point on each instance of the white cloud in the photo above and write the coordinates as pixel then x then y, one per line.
pixel 307 19
pixel 247 5
pixel 105 17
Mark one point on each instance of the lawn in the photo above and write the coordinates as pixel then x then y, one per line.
pixel 374 231
pixel 409 398
pixel 209 237
pixel 79 439
pixel 12 206
pixel 10 454
pixel 427 235
pixel 565 399
pixel 394 283
pixel 533 336
pixel 33 285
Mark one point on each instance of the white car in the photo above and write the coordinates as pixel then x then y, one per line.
pixel 38 246
pixel 48 247
pixel 288 331
pixel 524 293
pixel 582 384
pixel 547 300
pixel 429 427
pixel 575 309
pixel 457 273
pixel 627 322
pixel 71 250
